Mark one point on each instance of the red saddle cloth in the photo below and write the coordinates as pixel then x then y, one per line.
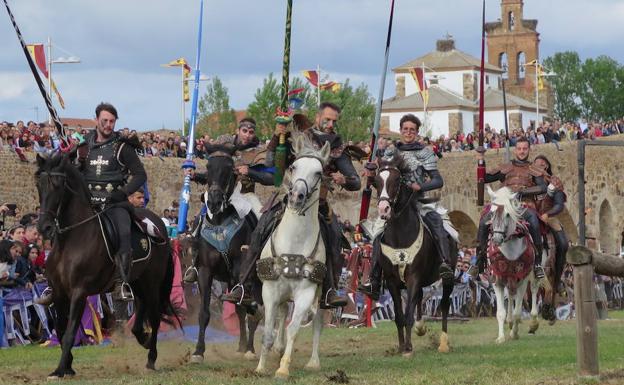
pixel 511 271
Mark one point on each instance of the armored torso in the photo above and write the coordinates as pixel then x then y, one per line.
pixel 418 159
pixel 102 169
pixel 519 175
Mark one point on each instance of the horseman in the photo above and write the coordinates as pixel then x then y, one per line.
pixel 528 182
pixel 112 171
pixel 549 205
pixel 250 169
pixel 341 172
pixel 421 175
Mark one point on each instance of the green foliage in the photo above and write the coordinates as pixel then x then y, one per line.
pixel 592 89
pixel 215 116
pixel 357 106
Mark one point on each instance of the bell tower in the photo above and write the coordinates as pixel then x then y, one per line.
pixel 512 42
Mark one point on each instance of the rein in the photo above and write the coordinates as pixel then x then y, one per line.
pixel 309 191
pixel 396 198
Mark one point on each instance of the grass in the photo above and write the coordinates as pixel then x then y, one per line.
pixel 367 356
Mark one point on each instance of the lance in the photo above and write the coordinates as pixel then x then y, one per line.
pixel 367 192
pixel 283 117
pixel 481 149
pixel 44 93
pixel 185 194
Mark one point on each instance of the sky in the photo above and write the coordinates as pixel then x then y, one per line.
pixel 122 44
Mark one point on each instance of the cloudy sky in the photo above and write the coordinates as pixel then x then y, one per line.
pixel 122 44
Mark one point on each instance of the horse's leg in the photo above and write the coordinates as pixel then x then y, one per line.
pixel 510 305
pixel 445 304
pixel 153 315
pixel 252 325
pixel 421 329
pixel 534 324
pixel 279 344
pixel 205 289
pixel 242 328
pixel 517 311
pixel 315 362
pixel 269 297
pixel 399 317
pixel 304 299
pixel 76 309
pixel 412 301
pixel 501 312
pixel 138 329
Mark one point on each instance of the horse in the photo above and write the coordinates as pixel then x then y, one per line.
pixel 511 255
pixel 220 259
pixel 292 262
pixel 409 259
pixel 81 264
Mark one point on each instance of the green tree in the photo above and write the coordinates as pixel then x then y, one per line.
pixel 566 84
pixel 215 116
pixel 601 93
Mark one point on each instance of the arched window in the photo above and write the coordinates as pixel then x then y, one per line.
pixel 521 67
pixel 502 61
pixel 511 20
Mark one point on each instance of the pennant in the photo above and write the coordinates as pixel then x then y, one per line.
pixel 185 84
pixel 331 86
pixel 419 77
pixel 296 91
pixel 540 77
pixel 176 63
pixel 37 51
pixel 312 77
pixel 58 95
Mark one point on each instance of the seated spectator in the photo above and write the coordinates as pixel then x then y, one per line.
pixel 10 251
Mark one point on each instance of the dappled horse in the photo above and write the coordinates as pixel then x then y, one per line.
pixel 511 254
pixel 292 262
pixel 81 263
pixel 221 234
pixel 409 259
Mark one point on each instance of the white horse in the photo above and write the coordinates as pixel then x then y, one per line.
pixel 293 259
pixel 511 255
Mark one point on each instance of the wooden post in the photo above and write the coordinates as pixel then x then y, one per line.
pixel 585 304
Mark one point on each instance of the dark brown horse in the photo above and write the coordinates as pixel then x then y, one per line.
pixel 408 243
pixel 80 263
pixel 225 264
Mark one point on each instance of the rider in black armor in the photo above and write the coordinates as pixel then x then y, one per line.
pixel 340 171
pixel 422 176
pixel 248 149
pixel 112 171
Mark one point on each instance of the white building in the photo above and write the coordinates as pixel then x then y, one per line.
pixel 453 81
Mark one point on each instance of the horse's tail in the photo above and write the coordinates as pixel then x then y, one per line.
pixel 166 307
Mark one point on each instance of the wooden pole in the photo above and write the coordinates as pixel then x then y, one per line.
pixel 586 314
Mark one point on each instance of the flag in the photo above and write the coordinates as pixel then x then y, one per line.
pixel 540 77
pixel 37 51
pixel 296 91
pixel 419 77
pixel 331 86
pixel 312 77
pixel 181 62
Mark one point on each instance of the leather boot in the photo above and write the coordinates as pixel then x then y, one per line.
pixel 372 287
pixel 538 270
pixel 45 299
pixel 333 299
pixel 124 266
pixel 238 296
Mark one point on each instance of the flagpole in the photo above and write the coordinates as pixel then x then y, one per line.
pixel 423 96
pixel 507 154
pixel 185 194
pixel 49 75
pixel 367 192
pixel 536 94
pixel 318 86
pixel 481 149
pixel 183 102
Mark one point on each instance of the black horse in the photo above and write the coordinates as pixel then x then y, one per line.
pixel 80 263
pixel 225 264
pixel 401 212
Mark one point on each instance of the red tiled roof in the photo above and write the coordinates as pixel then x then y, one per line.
pixel 74 122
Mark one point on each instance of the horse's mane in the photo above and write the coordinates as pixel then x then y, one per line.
pixel 506 198
pixel 392 157
pixel 63 163
pixel 308 149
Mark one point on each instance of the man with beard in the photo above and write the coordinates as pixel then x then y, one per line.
pixel 422 175
pixel 341 172
pixel 248 167
pixel 522 177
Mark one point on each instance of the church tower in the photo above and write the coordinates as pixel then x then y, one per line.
pixel 512 42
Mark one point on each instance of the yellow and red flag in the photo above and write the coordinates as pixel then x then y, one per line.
pixel 312 77
pixel 37 51
pixel 181 62
pixel 418 74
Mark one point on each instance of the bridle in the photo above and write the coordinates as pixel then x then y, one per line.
pixel 225 195
pixel 54 216
pixel 308 191
pixel 392 201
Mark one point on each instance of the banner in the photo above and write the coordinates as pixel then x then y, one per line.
pixel 181 62
pixel 419 77
pixel 37 51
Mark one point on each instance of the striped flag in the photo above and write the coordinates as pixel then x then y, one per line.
pixel 419 77
pixel 181 62
pixel 312 77
pixel 37 51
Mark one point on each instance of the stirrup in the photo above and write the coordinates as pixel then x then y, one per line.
pixel 45 299
pixel 538 270
pixel 188 278
pixel 125 292
pixel 369 290
pixel 473 271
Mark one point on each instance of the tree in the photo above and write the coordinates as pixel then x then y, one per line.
pixel 601 93
pixel 357 106
pixel 215 116
pixel 566 84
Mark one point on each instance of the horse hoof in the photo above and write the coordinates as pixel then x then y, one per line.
pixel 500 340
pixel 421 331
pixel 313 365
pixel 196 359
pixel 552 322
pixel 54 377
pixel 444 345
pixel 514 336
pixel 409 354
pixel 282 374
pixel 250 356
pixel 260 372
pixel 533 327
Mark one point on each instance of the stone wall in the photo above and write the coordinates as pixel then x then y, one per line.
pixel 604 189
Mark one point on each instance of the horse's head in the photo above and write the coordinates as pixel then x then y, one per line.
pixel 506 213
pixel 52 184
pixel 388 183
pixel 306 171
pixel 220 177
